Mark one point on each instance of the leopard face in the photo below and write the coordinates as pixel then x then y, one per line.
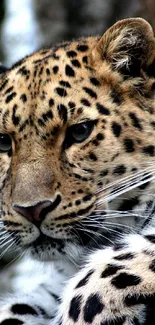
pixel 77 130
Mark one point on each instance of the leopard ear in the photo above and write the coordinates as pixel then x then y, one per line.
pixel 129 46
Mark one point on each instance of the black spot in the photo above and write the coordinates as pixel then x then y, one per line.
pixel 80 191
pixel 48 71
pixel 71 105
pixel 41 71
pixel 111 269
pixel 94 82
pixel 135 121
pixel 129 204
pixel 152 266
pixel 104 173
pixel 85 59
pixel 11 223
pixel 61 91
pixel 151 238
pixel 124 280
pixel 100 136
pixel 116 128
pixel 90 92
pixel 87 198
pixel 84 281
pixel 75 308
pixel 51 102
pixel 131 300
pixel 15 118
pixel 129 145
pixel 82 48
pixel 62 112
pixel 77 202
pixel 149 150
pixel 93 306
pixel 153 124
pixel 69 71
pixel 23 126
pixel 71 54
pixel 23 98
pixel 102 109
pixel 79 110
pixel 65 84
pixel 12 321
pixel 76 63
pixel 95 142
pixel 23 71
pixel 10 97
pixel 9 90
pixel 3 85
pixel 23 309
pixel 41 122
pixel 117 98
pixel 55 56
pixel 55 69
pixel 47 116
pixel 74 214
pixel 124 256
pixel 115 321
pixel 143 186
pixel 85 102
pixel 119 170
pixel 92 156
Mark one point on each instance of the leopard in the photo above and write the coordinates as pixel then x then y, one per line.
pixel 77 179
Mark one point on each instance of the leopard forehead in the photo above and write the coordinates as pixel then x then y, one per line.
pixel 59 86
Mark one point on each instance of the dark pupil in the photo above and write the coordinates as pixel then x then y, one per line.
pixel 5 142
pixel 80 132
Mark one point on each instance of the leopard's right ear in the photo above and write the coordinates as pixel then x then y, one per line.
pixel 3 69
pixel 128 46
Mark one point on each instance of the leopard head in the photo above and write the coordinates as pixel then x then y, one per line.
pixel 77 131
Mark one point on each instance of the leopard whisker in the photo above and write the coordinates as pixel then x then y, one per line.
pixel 121 191
pixel 7 249
pixel 94 233
pixel 143 172
pixel 16 258
pixel 98 224
pixel 5 243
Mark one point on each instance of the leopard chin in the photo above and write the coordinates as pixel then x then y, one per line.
pixel 46 248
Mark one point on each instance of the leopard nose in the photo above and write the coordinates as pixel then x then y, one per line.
pixel 37 213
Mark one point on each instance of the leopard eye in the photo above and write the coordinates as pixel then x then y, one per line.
pixel 81 132
pixel 78 133
pixel 5 143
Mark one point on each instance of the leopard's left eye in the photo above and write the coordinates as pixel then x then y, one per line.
pixel 78 133
pixel 5 143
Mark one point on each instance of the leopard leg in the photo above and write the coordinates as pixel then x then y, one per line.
pixel 38 305
pixel 116 287
pixel 36 308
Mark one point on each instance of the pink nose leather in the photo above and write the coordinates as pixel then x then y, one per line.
pixel 33 213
